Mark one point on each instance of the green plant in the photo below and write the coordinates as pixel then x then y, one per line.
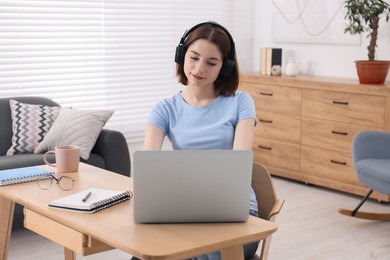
pixel 364 16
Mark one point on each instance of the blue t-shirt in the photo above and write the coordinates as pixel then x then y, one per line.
pixel 203 127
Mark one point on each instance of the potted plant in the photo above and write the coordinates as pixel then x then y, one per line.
pixel 364 17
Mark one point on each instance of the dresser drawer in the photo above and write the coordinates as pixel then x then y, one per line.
pixel 279 127
pixel 344 107
pixel 282 100
pixel 330 134
pixel 277 154
pixel 328 164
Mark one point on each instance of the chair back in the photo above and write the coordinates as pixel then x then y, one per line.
pixel 269 204
pixel 265 191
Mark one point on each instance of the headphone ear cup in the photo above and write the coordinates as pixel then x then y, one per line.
pixel 180 54
pixel 227 68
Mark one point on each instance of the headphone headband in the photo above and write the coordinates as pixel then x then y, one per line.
pixel 228 64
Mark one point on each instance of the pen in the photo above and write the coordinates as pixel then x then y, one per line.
pixel 86 196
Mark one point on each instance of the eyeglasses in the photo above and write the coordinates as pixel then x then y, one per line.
pixel 64 182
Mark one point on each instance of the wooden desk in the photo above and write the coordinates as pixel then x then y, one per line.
pixel 115 228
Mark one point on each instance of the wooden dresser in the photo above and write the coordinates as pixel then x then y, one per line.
pixel 305 126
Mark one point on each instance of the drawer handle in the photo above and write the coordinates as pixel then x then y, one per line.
pixel 340 102
pixel 266 94
pixel 337 162
pixel 265 148
pixel 265 121
pixel 339 133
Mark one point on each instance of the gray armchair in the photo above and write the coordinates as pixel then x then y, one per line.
pixel 110 151
pixel 371 158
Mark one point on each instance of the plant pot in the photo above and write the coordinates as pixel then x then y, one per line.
pixel 372 72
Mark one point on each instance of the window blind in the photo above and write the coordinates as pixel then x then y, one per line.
pixel 99 54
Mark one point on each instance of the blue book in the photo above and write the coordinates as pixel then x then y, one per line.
pixel 19 175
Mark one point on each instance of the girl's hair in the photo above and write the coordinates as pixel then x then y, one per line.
pixel 226 86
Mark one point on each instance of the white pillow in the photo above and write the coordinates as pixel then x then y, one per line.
pixel 75 127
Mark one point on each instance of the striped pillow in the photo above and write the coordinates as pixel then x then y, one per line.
pixel 30 123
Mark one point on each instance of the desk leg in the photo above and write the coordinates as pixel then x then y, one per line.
pixel 232 253
pixel 6 217
pixel 69 254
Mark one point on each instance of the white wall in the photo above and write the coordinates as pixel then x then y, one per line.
pixel 314 59
pixel 243 34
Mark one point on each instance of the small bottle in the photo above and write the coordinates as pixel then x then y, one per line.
pixel 291 67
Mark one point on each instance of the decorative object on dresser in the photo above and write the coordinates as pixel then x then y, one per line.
pixel 371 158
pixel 270 59
pixel 291 67
pixel 276 70
pixel 364 16
pixel 306 125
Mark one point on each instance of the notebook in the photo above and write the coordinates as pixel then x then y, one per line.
pixel 91 200
pixel 24 174
pixel 192 186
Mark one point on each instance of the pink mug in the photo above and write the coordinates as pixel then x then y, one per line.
pixel 67 158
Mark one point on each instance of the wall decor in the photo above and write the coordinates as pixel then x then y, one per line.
pixel 310 21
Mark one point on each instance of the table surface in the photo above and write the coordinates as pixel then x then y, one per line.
pixel 115 225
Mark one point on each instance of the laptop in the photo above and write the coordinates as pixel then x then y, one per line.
pixel 185 186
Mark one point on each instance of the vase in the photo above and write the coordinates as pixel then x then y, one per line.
pixel 291 67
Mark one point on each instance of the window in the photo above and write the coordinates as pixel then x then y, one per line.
pixel 99 54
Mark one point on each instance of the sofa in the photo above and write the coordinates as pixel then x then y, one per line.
pixel 110 151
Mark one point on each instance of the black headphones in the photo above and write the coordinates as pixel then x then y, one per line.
pixel 228 64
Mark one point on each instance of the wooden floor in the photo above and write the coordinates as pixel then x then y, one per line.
pixel 309 228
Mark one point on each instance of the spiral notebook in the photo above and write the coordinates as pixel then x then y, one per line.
pixel 91 200
pixel 24 174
